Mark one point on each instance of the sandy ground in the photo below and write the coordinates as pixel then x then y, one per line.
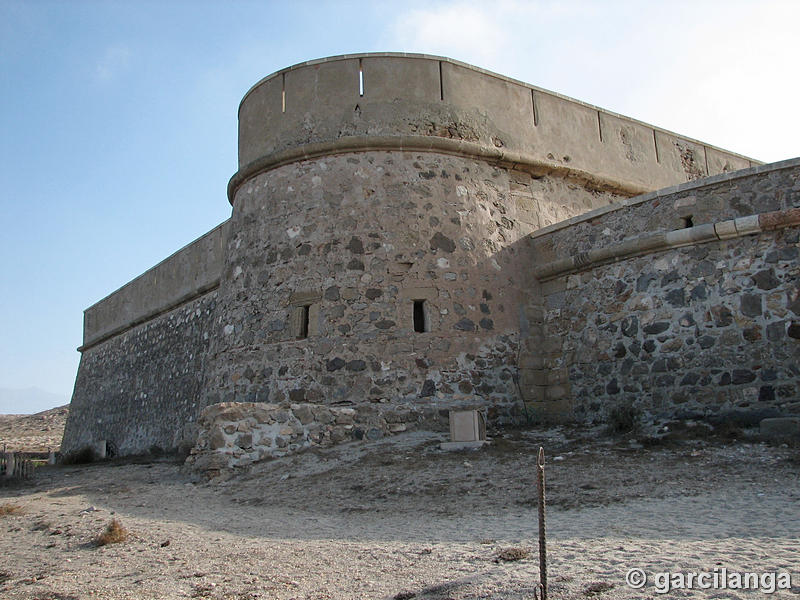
pixel 400 519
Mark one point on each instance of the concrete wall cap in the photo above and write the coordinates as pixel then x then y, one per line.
pixel 668 191
pixel 158 264
pixel 421 143
pixel 725 230
pixel 746 225
pixel 445 59
pixel 314 100
pixel 192 271
pixel 655 242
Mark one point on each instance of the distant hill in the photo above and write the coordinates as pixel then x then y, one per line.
pixel 33 433
pixel 28 401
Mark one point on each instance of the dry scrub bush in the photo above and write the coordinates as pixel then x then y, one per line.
pixel 623 418
pixel 82 456
pixel 596 588
pixel 511 554
pixel 114 534
pixel 8 508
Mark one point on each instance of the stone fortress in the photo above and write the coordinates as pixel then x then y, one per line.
pixel 411 234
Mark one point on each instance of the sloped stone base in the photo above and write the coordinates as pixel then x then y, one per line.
pixel 237 434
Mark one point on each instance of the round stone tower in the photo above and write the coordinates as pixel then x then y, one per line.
pixel 377 253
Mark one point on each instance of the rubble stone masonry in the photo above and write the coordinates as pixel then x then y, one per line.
pixel 708 326
pixel 141 390
pixel 408 236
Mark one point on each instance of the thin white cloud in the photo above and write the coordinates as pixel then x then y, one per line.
pixel 722 73
pixel 114 60
pixel 463 30
pixel 539 41
pixel 733 83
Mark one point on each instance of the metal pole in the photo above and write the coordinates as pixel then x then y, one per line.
pixel 542 536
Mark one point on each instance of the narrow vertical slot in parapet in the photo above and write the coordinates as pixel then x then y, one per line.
pixel 283 92
pixel 655 145
pixel 705 153
pixel 441 85
pixel 535 110
pixel 360 78
pixel 599 126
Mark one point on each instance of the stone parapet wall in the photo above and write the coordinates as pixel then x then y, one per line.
pixel 188 273
pixel 707 326
pixel 238 434
pixel 651 243
pixel 419 103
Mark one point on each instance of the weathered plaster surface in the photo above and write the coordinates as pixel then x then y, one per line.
pixel 418 101
pixel 176 280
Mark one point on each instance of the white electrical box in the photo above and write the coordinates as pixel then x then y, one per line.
pixel 467 426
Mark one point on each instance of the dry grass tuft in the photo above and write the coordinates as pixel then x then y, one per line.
pixel 41 525
pixel 9 508
pixel 596 588
pixel 114 534
pixel 511 554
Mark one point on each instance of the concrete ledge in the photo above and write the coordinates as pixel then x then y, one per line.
pixel 668 191
pixel 421 143
pixel 149 316
pixel 655 242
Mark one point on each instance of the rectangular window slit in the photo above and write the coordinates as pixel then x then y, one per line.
pixel 303 333
pixel 283 93
pixel 687 222
pixel 419 316
pixel 441 85
pixel 535 110
pixel 360 78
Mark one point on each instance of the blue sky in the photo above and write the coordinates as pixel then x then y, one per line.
pixel 118 118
